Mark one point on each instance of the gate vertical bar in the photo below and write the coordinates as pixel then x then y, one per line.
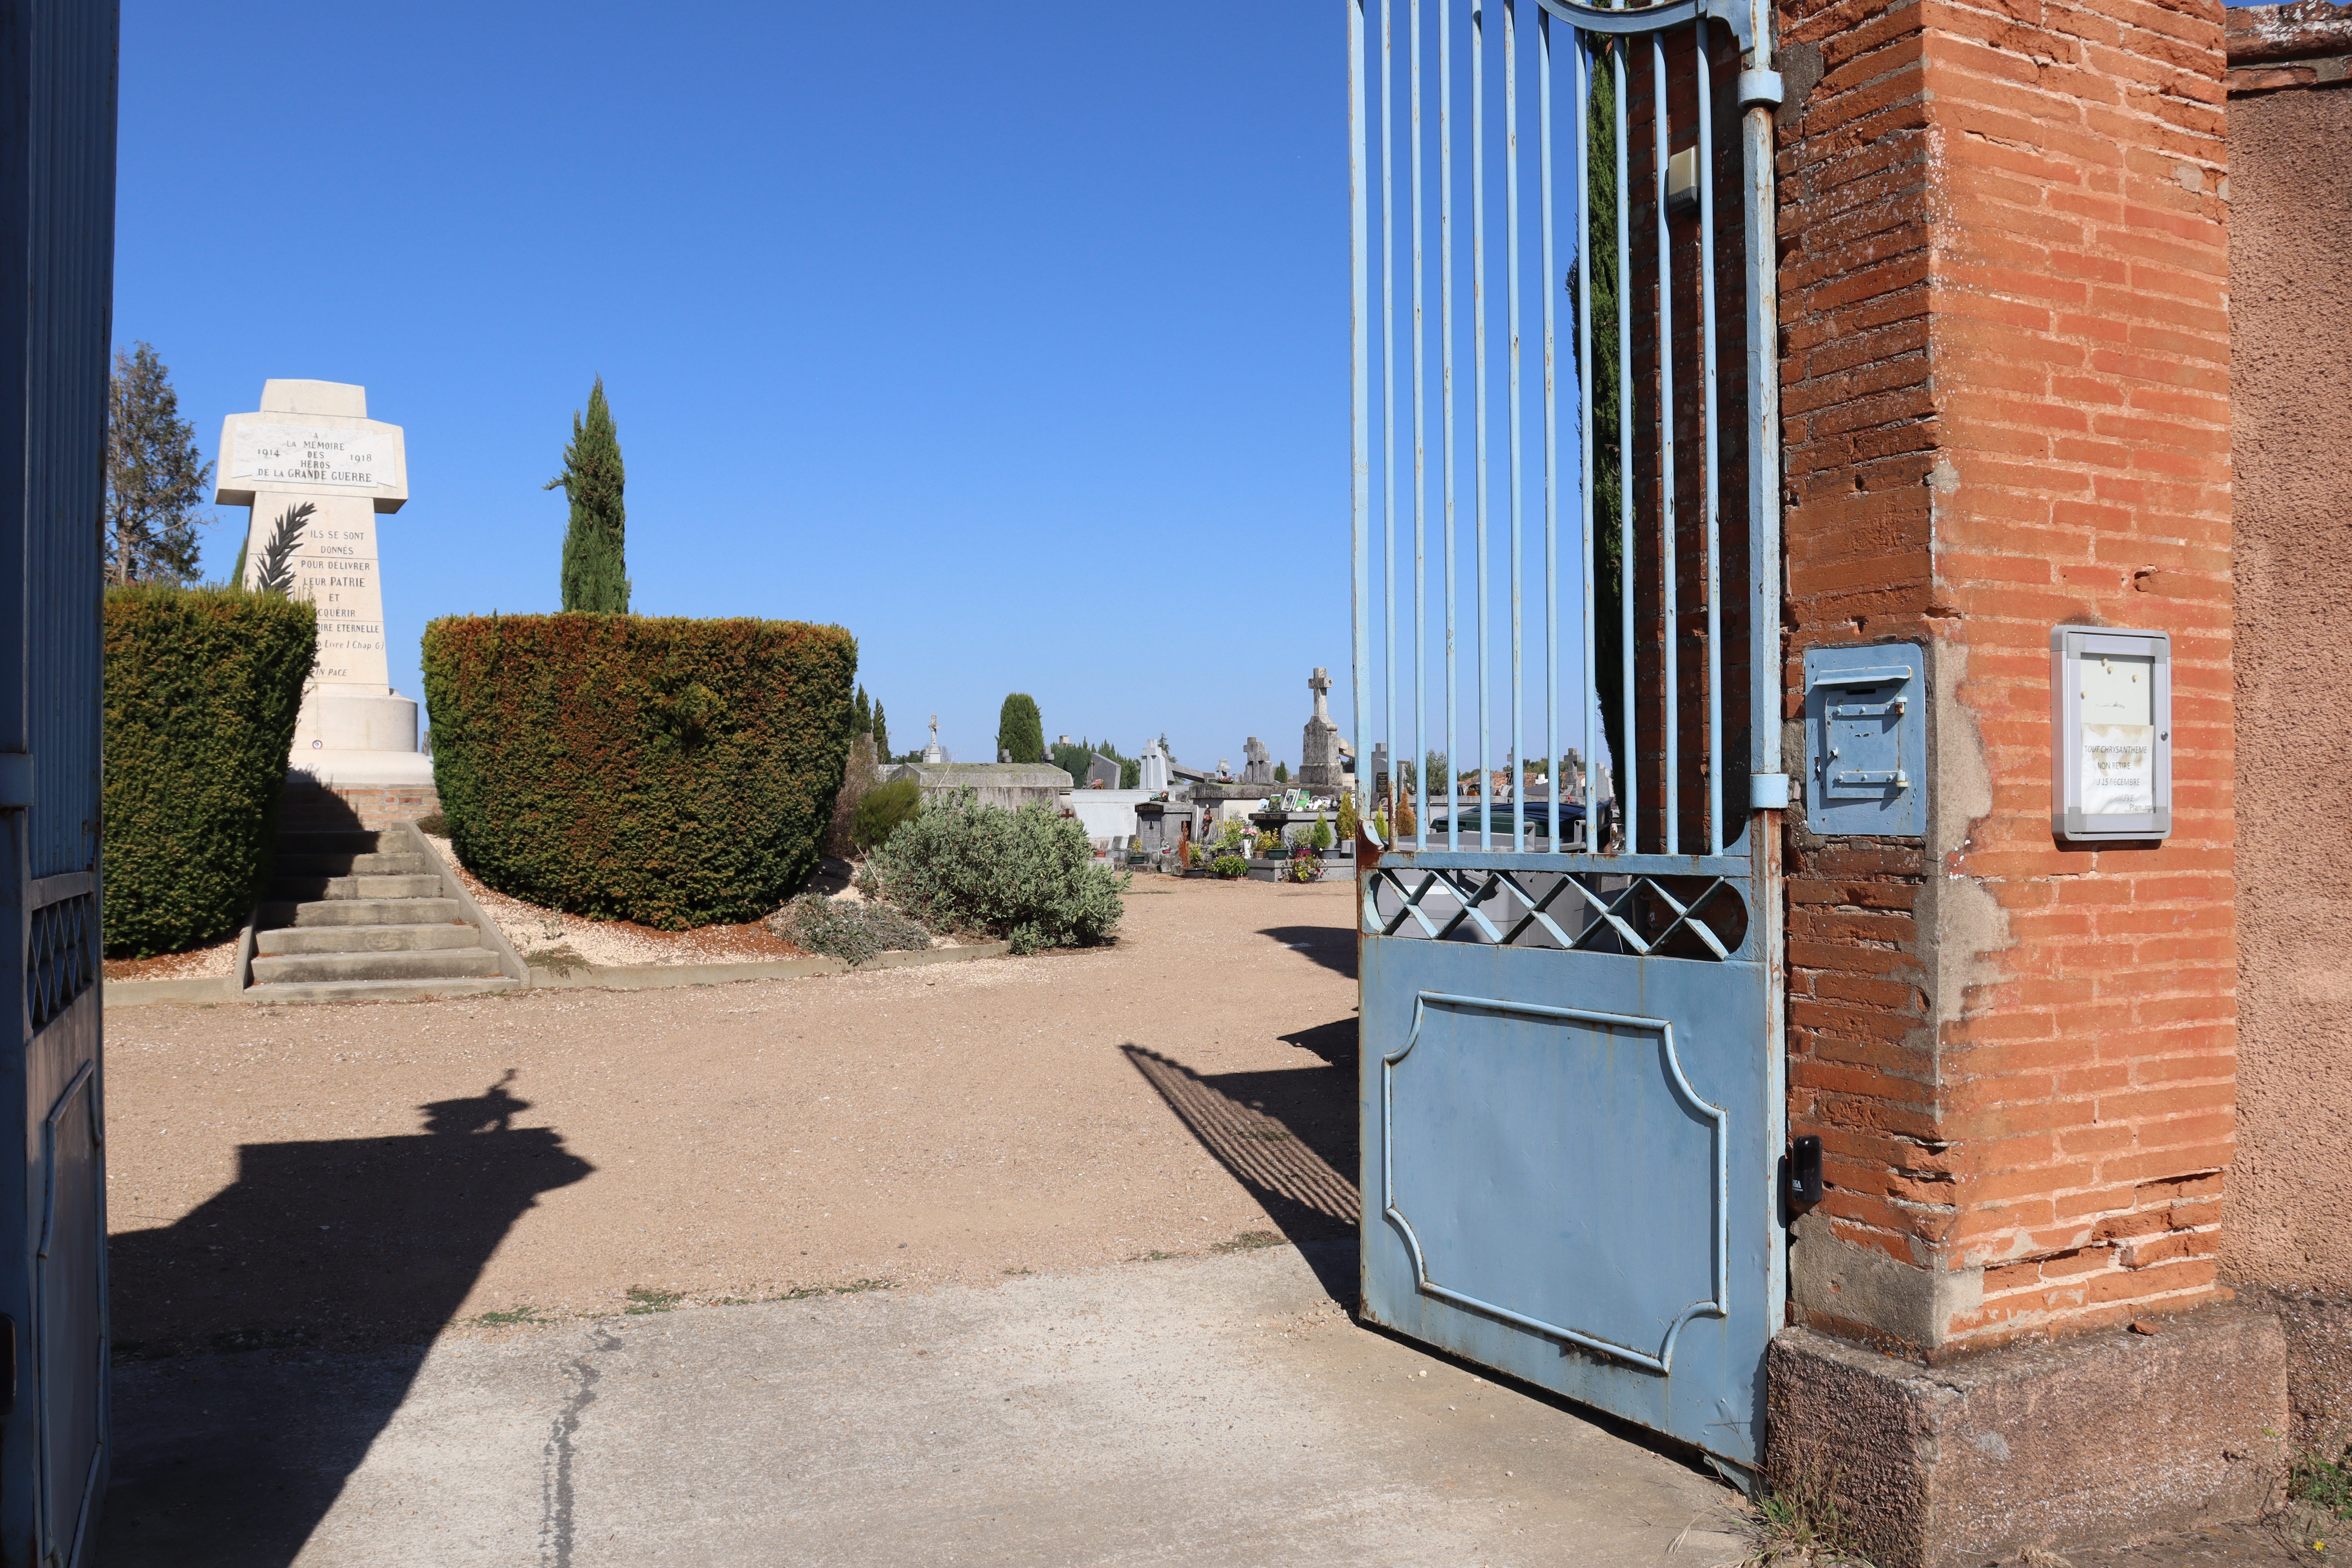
pixel 1445 395
pixel 1478 390
pixel 1420 481
pixel 1704 76
pixel 1388 403
pixel 1670 715
pixel 1551 432
pixel 1629 719
pixel 1763 423
pixel 1591 685
pixel 1360 352
pixel 1517 762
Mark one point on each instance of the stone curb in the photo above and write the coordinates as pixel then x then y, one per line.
pixel 618 977
pixel 661 976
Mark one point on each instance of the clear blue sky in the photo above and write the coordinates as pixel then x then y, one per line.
pixel 984 332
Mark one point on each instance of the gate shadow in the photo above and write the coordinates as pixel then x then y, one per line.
pixel 1288 1136
pixel 1333 947
pixel 335 1262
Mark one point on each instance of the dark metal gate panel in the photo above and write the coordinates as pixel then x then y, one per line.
pixel 1572 1081
pixel 57 188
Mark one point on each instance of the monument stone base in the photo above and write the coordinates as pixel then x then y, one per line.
pixel 333 720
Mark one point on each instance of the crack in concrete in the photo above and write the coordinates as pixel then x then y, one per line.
pixel 555 1462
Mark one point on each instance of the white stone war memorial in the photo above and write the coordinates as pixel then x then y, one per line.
pixel 316 471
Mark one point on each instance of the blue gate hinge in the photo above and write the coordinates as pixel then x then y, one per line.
pixel 16 780
pixel 1768 792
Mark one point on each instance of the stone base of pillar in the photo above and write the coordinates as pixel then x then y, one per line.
pixel 360 721
pixel 2100 1439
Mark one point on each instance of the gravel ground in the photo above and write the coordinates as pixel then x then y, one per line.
pixel 368 1173
pixel 197 963
pixel 533 929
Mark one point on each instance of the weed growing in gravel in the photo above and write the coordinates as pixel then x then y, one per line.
pixel 642 1301
pixel 526 1313
pixel 2323 1483
pixel 1249 1240
pixel 854 933
pixel 853 1288
pixel 560 958
pixel 1803 1525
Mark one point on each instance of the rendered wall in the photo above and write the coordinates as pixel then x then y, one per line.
pixel 2288 1239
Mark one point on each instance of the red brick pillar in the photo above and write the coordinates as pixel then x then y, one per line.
pixel 2006 390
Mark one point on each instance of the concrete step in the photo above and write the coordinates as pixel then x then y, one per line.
pixel 306 890
pixel 287 940
pixel 353 843
pixel 350 865
pixel 478 962
pixel 377 989
pixel 360 913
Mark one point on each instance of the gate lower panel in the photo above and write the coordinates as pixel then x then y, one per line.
pixel 1569 1164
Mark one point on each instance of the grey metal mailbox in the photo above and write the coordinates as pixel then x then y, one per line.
pixel 1866 739
pixel 2111 734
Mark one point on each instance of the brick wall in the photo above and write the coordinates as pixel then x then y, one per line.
pixel 2005 382
pixel 310 807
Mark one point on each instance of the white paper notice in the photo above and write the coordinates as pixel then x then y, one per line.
pixel 2118 735
pixel 311 455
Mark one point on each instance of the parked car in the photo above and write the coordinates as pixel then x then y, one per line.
pixel 1537 814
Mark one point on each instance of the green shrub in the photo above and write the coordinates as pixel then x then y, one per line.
pixel 1027 876
pixel 675 772
pixel 854 933
pixel 879 814
pixel 202 689
pixel 1322 839
pixel 1230 867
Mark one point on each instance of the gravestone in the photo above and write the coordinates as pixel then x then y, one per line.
pixel 1101 771
pixel 1155 766
pixel 1257 765
pixel 935 753
pixel 316 471
pixel 1319 764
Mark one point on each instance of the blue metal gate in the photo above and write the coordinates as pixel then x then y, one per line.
pixel 57 182
pixel 1572 1073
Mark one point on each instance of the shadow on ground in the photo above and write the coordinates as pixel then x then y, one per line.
pixel 358 1247
pixel 1288 1136
pixel 1333 947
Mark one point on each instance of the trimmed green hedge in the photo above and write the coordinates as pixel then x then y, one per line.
pixel 674 773
pixel 202 689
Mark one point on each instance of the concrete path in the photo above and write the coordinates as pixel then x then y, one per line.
pixel 1199 1412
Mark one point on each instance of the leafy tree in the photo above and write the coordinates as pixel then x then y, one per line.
pixel 155 478
pixel 1020 729
pixel 595 571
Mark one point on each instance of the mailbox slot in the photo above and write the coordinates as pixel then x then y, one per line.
pixel 1866 741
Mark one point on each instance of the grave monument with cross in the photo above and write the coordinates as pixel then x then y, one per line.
pixel 316 471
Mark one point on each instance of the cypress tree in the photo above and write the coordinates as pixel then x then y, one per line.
pixel 881 732
pixel 1600 381
pixel 1020 729
pixel 861 720
pixel 596 574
